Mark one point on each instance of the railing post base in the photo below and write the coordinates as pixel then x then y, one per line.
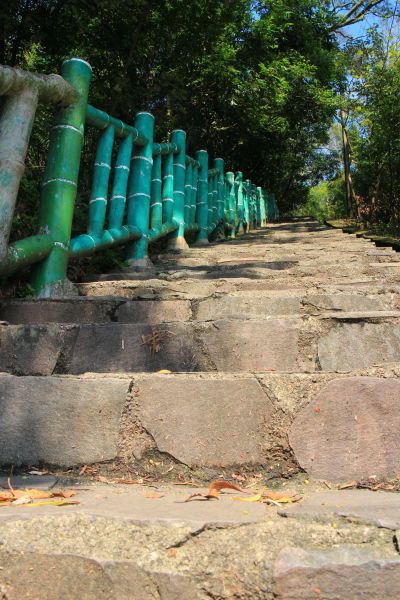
pixel 178 244
pixel 138 264
pixel 201 242
pixel 63 288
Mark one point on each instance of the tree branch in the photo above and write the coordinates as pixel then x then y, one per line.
pixel 355 14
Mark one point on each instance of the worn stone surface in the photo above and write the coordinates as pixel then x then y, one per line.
pixel 340 573
pixel 346 302
pixel 350 430
pixel 125 502
pixel 378 508
pixel 353 345
pixel 59 421
pixel 30 350
pixel 182 555
pixel 150 311
pixel 224 419
pixel 253 345
pixel 117 347
pixel 56 311
pixel 232 307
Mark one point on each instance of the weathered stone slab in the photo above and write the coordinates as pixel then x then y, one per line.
pixel 253 345
pixel 206 422
pixel 341 573
pixel 234 307
pixel 56 311
pixel 377 508
pixel 350 346
pixel 61 421
pixel 350 431
pixel 346 302
pixel 30 350
pixel 52 577
pixel 154 311
pixel 117 347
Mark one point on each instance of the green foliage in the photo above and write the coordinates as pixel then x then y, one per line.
pixel 326 200
pixel 251 81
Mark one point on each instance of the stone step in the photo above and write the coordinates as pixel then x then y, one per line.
pixel 192 289
pixel 237 305
pixel 335 427
pixel 121 542
pixel 336 341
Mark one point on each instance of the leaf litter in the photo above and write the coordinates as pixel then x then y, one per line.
pixel 28 496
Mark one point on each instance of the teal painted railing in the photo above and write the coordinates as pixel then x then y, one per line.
pixel 151 190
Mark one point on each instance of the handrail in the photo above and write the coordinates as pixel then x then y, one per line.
pixel 149 191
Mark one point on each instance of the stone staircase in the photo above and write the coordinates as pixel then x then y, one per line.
pixel 283 352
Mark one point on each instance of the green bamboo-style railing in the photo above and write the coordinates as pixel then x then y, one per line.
pixel 151 190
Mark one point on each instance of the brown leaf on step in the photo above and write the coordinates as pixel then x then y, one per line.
pixel 64 494
pixel 349 484
pixel 214 488
pixel 83 470
pixel 281 497
pixel 154 339
pixel 130 481
pixel 171 552
pixel 154 495
pixel 26 496
pixel 103 479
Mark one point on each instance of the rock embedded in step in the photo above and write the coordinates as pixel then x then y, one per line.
pixel 153 311
pixel 350 430
pixel 350 346
pixel 206 422
pixel 345 573
pixel 31 349
pixel 258 345
pixel 59 421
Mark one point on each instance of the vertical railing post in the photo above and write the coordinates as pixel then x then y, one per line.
pixel 168 188
pixel 195 176
pixel 139 189
pixel 240 203
pixel 99 196
pixel 202 199
pixel 188 192
pixel 59 186
pixel 230 219
pixel 120 184
pixel 177 242
pixel 258 207
pixel 219 164
pixel 156 203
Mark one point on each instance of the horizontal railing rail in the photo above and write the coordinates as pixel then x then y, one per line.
pixel 141 191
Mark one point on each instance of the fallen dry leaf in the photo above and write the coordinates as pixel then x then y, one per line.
pixel 54 503
pixel 21 500
pixel 256 498
pixel 83 470
pixel 103 479
pixel 171 552
pixel 154 495
pixel 213 490
pixel 130 481
pixel 349 484
pixel 281 497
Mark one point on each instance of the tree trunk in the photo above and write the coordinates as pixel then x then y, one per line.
pixel 346 165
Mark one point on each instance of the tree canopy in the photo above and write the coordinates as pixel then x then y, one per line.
pixel 257 82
